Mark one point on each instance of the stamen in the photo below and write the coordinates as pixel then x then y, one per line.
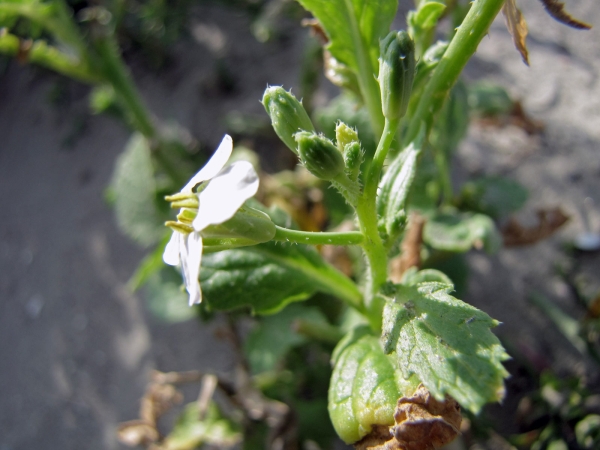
pixel 179 227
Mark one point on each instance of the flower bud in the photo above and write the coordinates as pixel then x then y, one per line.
pixel 288 116
pixel 353 158
pixel 396 73
pixel 344 135
pixel 247 227
pixel 319 155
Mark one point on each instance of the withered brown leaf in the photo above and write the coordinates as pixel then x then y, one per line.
pixel 549 221
pixel 517 27
pixel 422 423
pixel 557 11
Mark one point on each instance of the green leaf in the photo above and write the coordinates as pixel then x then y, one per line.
pixel 427 16
pixel 373 18
pixel 165 297
pixel 488 99
pixel 133 187
pixel 190 431
pixel 587 431
pixel 413 276
pixel 275 335
pixel 446 343
pixel 495 196
pixel 452 123
pixel 267 277
pixel 459 232
pixel 395 185
pixel 365 386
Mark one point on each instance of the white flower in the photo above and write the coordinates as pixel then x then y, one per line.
pixel 226 191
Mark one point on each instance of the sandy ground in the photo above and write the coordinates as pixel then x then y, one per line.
pixel 76 346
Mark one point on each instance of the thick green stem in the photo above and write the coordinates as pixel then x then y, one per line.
pixel 312 238
pixel 461 49
pixel 367 216
pixel 369 87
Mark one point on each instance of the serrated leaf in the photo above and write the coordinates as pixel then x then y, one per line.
pixel 267 277
pixel 557 11
pixel 373 19
pixel 446 343
pixel 494 196
pixel 134 192
pixel 191 431
pixel 517 27
pixel 459 232
pixel 275 336
pixel 364 387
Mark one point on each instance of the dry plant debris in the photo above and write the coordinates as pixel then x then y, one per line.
pixel 421 423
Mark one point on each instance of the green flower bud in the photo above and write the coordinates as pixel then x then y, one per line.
pixel 344 135
pixel 353 158
pixel 288 116
pixel 396 73
pixel 319 155
pixel 248 226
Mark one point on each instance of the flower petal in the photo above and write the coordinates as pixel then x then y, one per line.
pixel 191 256
pixel 171 255
pixel 225 194
pixel 214 164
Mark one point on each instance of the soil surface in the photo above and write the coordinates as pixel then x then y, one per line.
pixel 76 346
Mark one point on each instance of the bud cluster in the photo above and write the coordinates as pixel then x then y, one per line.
pixel 338 163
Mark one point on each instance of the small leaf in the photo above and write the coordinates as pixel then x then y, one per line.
pixel 517 27
pixel 496 197
pixel 453 121
pixel 191 431
pixel 364 387
pixel 488 99
pixel 446 343
pixel 396 183
pixel 275 335
pixel 427 15
pixel 133 187
pixel 267 277
pixel 459 232
pixel 556 9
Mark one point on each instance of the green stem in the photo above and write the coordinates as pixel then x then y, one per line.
pixel 369 87
pixel 118 76
pixel 48 56
pixel 312 238
pixel 367 217
pixel 319 331
pixel 461 49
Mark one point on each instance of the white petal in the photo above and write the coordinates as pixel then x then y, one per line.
pixel 214 164
pixel 191 256
pixel 171 253
pixel 225 194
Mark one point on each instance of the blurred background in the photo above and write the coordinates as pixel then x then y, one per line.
pixel 77 345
